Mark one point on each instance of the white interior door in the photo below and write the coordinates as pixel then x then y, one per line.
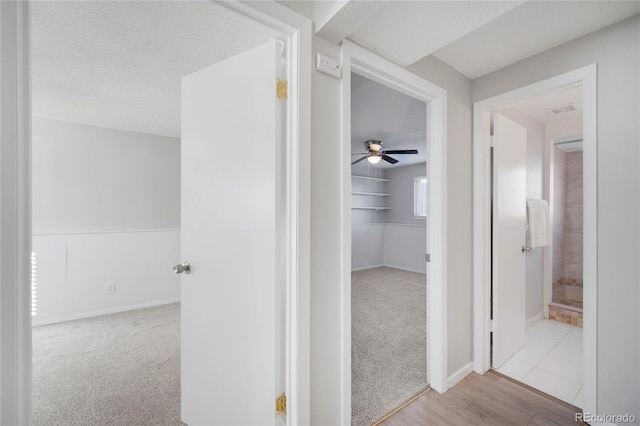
pixel 232 306
pixel 509 236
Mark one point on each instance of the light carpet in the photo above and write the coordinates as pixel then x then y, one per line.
pixel 119 369
pixel 388 320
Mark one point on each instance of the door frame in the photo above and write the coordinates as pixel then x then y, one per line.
pixel 587 78
pixel 15 223
pixel 15 214
pixel 374 67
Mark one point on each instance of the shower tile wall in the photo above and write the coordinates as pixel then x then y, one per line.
pixel 567 228
pixel 572 245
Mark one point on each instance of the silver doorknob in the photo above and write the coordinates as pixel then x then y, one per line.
pixel 180 268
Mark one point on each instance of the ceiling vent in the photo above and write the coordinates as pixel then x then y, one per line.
pixel 562 109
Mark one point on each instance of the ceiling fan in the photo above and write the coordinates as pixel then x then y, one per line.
pixel 375 153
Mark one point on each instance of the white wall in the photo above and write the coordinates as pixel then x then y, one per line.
pixel 367 246
pixel 459 206
pixel 405 247
pixel 404 236
pixel 88 178
pixel 534 261
pixel 327 339
pixel 616 50
pixel 106 209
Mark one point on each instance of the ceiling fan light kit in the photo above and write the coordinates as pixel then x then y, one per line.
pixel 375 153
pixel 374 158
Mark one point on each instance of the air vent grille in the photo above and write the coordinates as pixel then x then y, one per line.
pixel 562 109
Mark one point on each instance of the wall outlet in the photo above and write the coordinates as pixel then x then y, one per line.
pixel 110 288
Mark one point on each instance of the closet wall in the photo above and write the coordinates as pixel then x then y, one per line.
pixel 384 231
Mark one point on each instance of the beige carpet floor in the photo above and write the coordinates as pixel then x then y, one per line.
pixel 121 369
pixel 124 369
pixel 388 339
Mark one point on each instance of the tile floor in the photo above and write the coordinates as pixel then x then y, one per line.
pixel 550 360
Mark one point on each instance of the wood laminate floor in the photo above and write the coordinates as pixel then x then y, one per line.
pixel 484 400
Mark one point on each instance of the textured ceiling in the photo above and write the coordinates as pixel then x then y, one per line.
pixel 529 29
pixel 396 119
pixel 119 64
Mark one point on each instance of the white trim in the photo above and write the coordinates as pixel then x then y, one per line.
pixel 587 77
pixel 366 268
pixel 400 268
pixel 372 66
pixel 15 214
pixel 36 323
pixel 124 231
pixel 463 372
pixel 410 225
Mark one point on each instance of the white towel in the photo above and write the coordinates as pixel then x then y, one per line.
pixel 538 223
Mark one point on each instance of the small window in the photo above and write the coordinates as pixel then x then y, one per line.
pixel 420 197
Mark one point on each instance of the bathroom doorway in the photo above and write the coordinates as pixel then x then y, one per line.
pixel 556 357
pixel 542 344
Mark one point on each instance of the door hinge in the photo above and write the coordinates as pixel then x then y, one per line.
pixel 281 404
pixel 427 257
pixel 281 89
pixel 492 326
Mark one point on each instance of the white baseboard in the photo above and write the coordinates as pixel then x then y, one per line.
pixel 533 319
pixel 36 323
pixel 459 375
pixel 406 269
pixel 463 372
pixel 364 268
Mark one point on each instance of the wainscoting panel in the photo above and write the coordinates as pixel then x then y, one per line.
pixel 398 246
pixel 73 272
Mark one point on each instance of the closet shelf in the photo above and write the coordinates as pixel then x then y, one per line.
pixel 377 194
pixel 370 178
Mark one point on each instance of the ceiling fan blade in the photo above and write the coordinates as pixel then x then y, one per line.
pixel 359 160
pixel 359 153
pixel 402 151
pixel 388 159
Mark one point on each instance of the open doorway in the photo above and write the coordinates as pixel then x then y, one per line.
pixel 107 195
pixel 518 332
pixel 381 71
pixel 388 246
pixel 549 357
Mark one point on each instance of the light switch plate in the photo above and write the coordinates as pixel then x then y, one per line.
pixel 328 66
